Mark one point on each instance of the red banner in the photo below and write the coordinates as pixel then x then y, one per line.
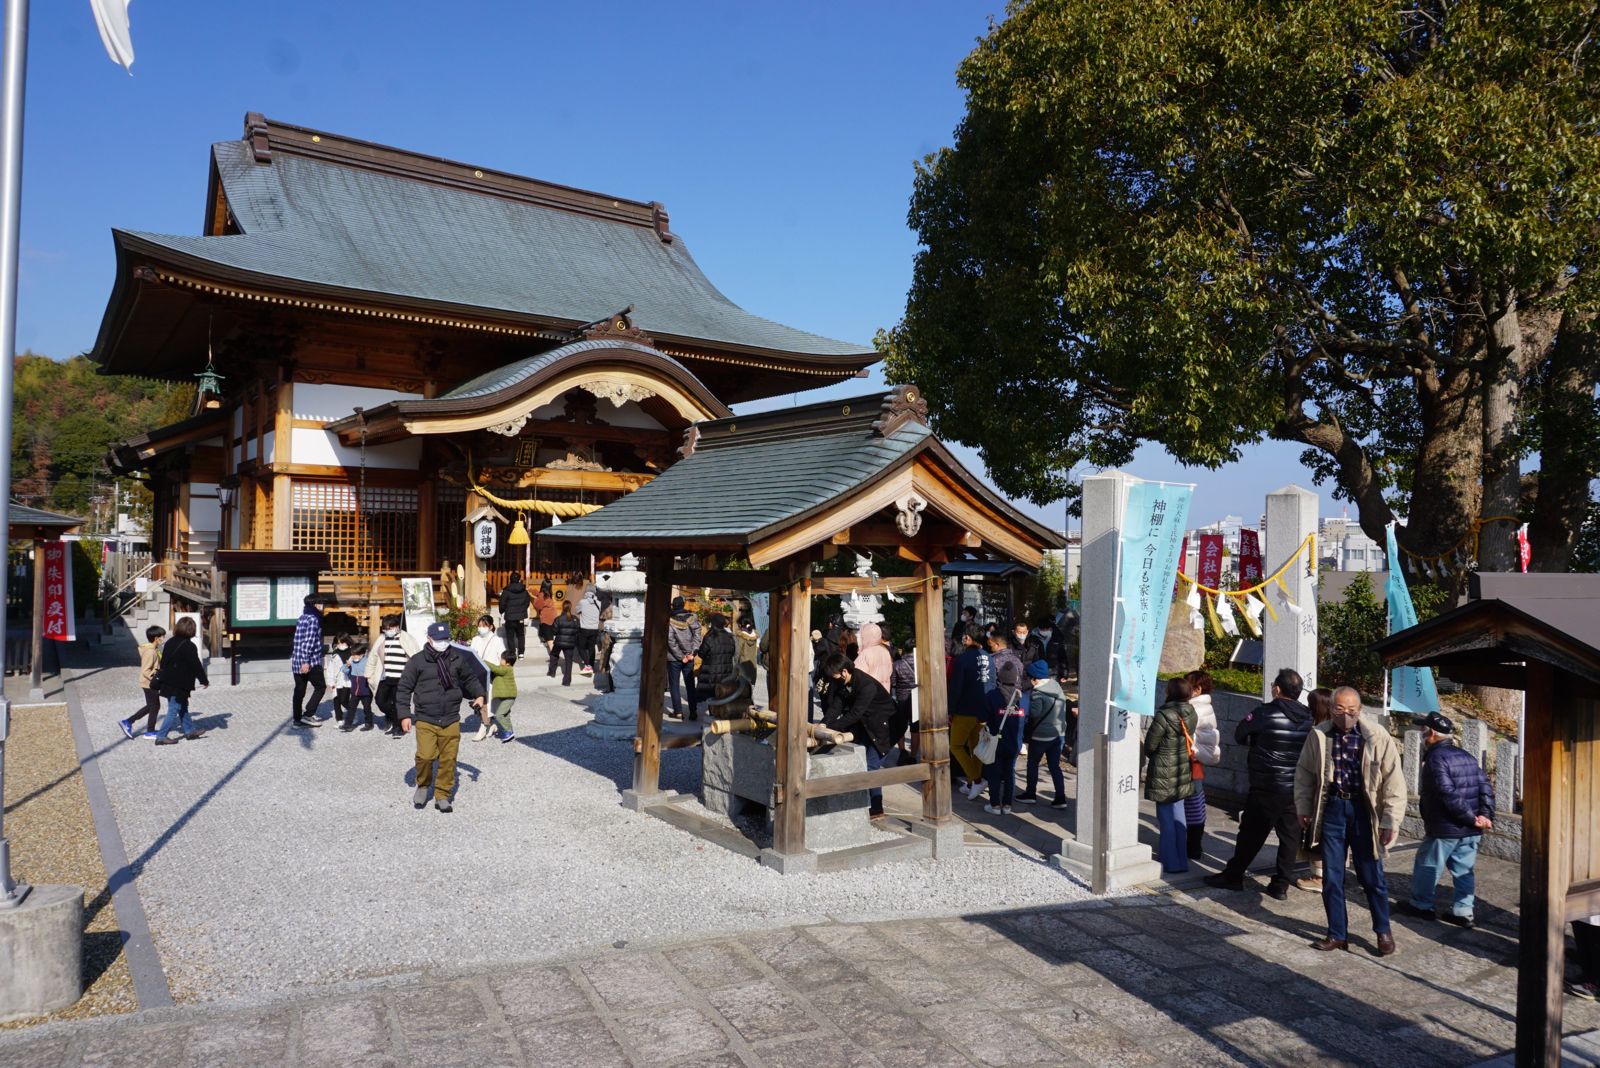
pixel 1210 561
pixel 1524 548
pixel 1249 558
pixel 57 610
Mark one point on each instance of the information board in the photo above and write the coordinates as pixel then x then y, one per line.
pixel 252 600
pixel 267 600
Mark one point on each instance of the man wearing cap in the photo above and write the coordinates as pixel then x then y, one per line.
pixel 435 682
pixel 1350 792
pixel 1457 805
pixel 305 661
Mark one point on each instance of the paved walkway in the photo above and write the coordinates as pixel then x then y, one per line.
pixel 324 920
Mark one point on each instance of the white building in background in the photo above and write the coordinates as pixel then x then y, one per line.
pixel 1344 547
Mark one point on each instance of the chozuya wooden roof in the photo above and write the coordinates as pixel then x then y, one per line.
pixel 307 219
pixel 780 482
pixel 29 522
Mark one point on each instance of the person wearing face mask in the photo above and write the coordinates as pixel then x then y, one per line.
pixel 431 690
pixel 305 661
pixel 384 665
pixel 488 647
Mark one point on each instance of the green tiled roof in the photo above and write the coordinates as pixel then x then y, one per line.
pixel 22 515
pixel 492 382
pixel 330 224
pixel 735 492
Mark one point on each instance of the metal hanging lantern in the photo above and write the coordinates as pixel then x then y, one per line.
pixel 210 385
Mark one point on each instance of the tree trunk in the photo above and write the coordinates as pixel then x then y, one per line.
pixel 1570 431
pixel 1445 489
pixel 1502 470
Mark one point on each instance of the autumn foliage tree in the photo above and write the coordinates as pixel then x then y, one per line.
pixel 1367 227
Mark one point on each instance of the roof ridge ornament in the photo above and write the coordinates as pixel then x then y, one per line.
pixel 255 131
pixel 900 406
pixel 691 438
pixel 615 327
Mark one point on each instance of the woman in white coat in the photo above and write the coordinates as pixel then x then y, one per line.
pixel 488 647
pixel 1208 751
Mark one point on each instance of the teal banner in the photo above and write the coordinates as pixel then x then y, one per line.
pixel 1410 689
pixel 1153 524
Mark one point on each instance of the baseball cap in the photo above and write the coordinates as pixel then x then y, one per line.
pixel 438 631
pixel 1435 722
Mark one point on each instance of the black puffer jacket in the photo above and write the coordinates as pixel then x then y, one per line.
pixel 1275 733
pixel 436 701
pixel 181 668
pixel 1453 792
pixel 566 632
pixel 864 708
pixel 716 657
pixel 903 679
pixel 514 602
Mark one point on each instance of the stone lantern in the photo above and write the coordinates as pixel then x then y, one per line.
pixel 616 713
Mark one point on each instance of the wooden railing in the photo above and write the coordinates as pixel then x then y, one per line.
pixel 200 583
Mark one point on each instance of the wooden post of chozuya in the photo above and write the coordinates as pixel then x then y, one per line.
pixel 1546 833
pixel 652 681
pixel 788 850
pixel 933 717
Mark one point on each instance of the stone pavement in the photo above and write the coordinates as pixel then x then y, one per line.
pixel 1148 980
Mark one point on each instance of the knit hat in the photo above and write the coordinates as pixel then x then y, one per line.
pixel 1038 670
pixel 1009 673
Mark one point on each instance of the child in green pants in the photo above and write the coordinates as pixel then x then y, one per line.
pixel 502 694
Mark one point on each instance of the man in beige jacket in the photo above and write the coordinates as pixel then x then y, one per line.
pixel 1349 790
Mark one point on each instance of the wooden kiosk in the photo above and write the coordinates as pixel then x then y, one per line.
pixel 1539 634
pixel 782 491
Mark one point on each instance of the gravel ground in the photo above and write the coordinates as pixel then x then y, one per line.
pixel 53 841
pixel 271 859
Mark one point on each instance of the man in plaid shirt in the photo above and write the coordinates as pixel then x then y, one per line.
pixel 306 662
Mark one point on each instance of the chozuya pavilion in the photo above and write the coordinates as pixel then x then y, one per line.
pixel 386 341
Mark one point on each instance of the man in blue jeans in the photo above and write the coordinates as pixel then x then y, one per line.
pixel 1457 805
pixel 1350 792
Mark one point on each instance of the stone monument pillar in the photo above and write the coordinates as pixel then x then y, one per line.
pixel 616 714
pixel 1114 803
pixel 862 608
pixel 1291 641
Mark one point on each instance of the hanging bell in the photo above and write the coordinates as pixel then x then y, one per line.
pixel 519 533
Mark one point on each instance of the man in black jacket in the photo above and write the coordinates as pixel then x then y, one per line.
pixel 858 703
pixel 514 603
pixel 437 680
pixel 1275 733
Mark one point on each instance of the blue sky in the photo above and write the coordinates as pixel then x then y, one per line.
pixel 781 137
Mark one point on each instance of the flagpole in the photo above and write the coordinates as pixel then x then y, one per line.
pixel 15 75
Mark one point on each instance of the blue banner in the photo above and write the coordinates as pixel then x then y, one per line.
pixel 1410 689
pixel 1153 524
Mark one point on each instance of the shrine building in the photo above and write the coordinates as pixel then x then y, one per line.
pixel 385 341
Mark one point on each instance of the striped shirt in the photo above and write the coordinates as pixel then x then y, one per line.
pixel 394 659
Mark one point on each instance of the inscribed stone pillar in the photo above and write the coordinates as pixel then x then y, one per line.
pixel 1473 736
pixel 1291 641
pixel 1411 761
pixel 1113 804
pixel 1507 755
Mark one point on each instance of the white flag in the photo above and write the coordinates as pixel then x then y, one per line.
pixel 111 16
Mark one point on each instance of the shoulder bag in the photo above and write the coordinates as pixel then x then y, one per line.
pixel 1197 770
pixel 988 744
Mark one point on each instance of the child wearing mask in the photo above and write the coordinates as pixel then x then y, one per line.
pixel 488 647
pixel 384 665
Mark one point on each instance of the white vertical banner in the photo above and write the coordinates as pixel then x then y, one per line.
pixel 111 19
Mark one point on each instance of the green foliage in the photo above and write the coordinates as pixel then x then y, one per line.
pixel 1049 586
pixel 1586 556
pixel 65 418
pixel 1208 223
pixel 1351 625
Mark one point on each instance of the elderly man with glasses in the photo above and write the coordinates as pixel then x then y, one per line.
pixel 1350 793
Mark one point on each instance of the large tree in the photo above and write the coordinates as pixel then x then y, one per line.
pixel 1363 226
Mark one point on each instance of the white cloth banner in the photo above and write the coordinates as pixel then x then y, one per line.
pixel 111 18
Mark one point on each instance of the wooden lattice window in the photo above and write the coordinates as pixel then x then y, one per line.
pixel 375 534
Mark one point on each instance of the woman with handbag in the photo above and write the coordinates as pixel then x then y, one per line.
pixel 1169 779
pixel 1207 754
pixel 1002 736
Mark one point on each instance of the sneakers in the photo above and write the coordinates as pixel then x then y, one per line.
pixel 127 728
pixel 1309 883
pixel 419 799
pixel 483 732
pixel 150 736
pixel 1005 810
pixel 194 736
pixel 365 727
pixel 1406 908
pixel 1059 802
pixel 1028 799
pixel 505 736
pixel 306 724
pixel 993 811
pixel 1463 922
pixel 1223 882
pixel 1278 891
pixel 443 805
pixel 975 789
pixel 166 741
pixel 1586 991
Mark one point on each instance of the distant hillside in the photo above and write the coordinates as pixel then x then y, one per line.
pixel 64 418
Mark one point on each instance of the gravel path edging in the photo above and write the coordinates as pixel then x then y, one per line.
pixel 144 963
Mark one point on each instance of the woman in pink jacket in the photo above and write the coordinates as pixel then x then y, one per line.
pixel 873 656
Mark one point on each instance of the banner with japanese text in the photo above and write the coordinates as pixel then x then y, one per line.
pixel 1153 522
pixel 1249 558
pixel 1410 689
pixel 58 614
pixel 1210 569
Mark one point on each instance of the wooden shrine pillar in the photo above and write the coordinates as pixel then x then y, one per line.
pixel 473 583
pixel 283 455
pixel 652 683
pixel 427 525
pixel 791 688
pixel 933 718
pixel 1546 849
